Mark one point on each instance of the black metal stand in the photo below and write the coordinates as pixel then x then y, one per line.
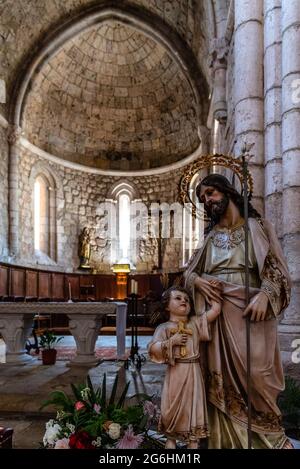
pixel 35 346
pixel 135 358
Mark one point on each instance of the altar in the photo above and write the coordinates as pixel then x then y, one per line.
pixel 85 319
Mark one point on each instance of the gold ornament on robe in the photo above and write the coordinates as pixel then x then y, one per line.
pixel 84 248
pixel 182 330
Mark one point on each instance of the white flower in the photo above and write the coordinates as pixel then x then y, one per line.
pixel 60 415
pixel 62 444
pixel 85 393
pixel 97 442
pixel 50 423
pixel 70 427
pixel 114 430
pixel 52 432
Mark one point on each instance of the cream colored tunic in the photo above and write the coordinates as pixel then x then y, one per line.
pixel 183 402
pixel 225 257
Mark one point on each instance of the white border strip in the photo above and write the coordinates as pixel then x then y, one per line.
pixel 88 169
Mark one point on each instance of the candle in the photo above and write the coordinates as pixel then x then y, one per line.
pixel 135 287
pixel 70 295
pixel 132 286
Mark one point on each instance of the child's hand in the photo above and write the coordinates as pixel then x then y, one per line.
pixel 179 339
pixel 216 303
pixel 216 307
pixel 217 285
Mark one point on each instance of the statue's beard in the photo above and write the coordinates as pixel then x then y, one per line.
pixel 217 209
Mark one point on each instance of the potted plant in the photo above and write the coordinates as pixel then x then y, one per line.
pixel 47 341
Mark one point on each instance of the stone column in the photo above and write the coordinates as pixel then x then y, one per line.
pixel 272 85
pixel 218 64
pixel 85 330
pixel 15 329
pixel 121 329
pixel 248 89
pixel 290 26
pixel 14 134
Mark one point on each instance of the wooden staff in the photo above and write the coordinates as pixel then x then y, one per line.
pixel 247 295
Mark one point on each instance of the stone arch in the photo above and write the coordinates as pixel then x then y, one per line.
pixel 135 16
pixel 42 170
pixel 126 186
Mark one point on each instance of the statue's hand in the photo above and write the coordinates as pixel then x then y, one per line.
pixel 257 307
pixel 211 290
pixel 179 339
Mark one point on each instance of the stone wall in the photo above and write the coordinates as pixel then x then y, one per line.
pixel 78 196
pixel 3 193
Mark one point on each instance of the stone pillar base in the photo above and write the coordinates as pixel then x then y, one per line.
pixel 21 358
pixel 84 360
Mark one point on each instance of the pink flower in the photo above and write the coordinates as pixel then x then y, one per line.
pixel 62 444
pixel 150 409
pixel 97 408
pixel 129 440
pixel 79 405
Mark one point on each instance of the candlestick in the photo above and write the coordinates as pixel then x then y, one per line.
pixel 70 293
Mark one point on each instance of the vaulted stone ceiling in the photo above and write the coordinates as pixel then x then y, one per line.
pixel 112 98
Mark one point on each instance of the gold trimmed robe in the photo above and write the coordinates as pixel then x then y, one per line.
pixel 226 352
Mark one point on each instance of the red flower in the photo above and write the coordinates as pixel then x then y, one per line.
pixel 81 440
pixel 79 405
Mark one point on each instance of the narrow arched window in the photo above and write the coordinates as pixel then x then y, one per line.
pixel 124 226
pixel 41 215
pixel 193 221
pixel 124 248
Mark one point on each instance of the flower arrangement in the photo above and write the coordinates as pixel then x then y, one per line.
pixel 91 421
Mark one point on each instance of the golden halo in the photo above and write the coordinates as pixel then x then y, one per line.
pixel 208 161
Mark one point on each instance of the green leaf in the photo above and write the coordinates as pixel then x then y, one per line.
pixel 60 400
pixel 143 422
pixel 119 416
pixel 76 391
pixel 48 338
pixel 114 391
pixel 103 392
pixel 141 396
pixel 93 397
pixel 123 396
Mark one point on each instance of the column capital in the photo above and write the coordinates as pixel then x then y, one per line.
pixel 218 52
pixel 14 133
pixel 221 116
